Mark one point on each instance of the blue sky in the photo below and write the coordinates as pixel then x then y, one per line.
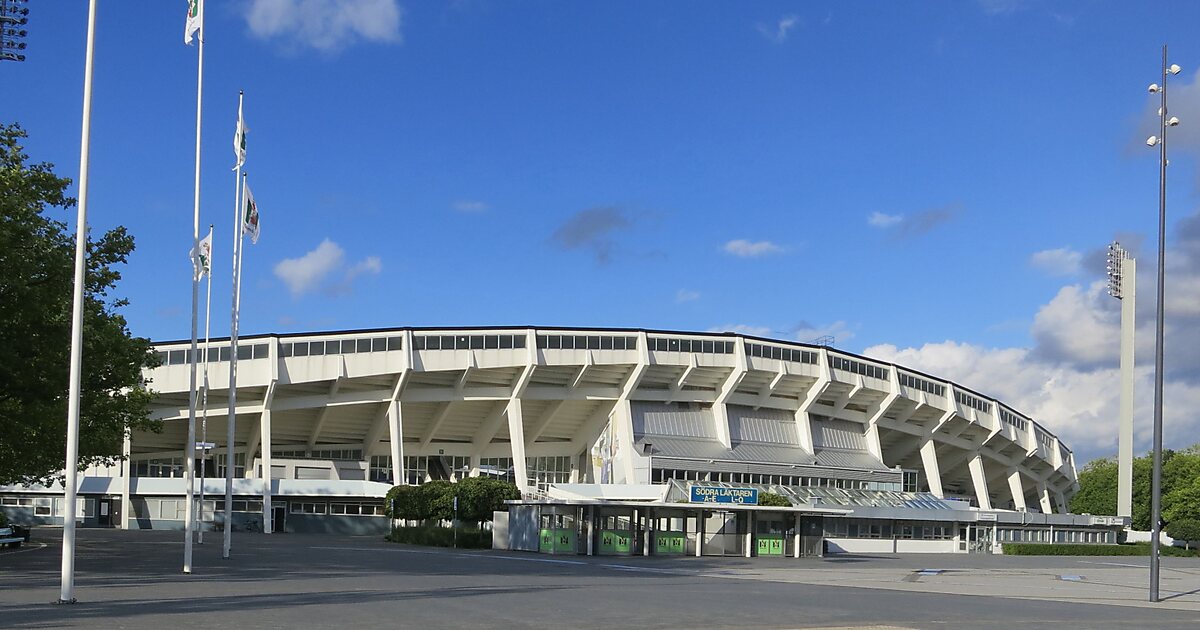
pixel 931 183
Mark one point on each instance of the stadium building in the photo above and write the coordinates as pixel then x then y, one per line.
pixel 622 441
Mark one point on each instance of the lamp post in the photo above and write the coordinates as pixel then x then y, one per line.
pixel 1122 284
pixel 1156 476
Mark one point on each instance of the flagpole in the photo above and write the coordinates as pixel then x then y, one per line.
pixel 204 401
pixel 67 591
pixel 231 419
pixel 189 461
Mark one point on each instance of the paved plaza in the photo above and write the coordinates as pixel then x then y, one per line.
pixel 132 580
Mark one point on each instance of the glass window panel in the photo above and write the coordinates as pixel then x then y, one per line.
pixel 347 346
pixel 673 345
pixel 506 342
pixel 176 357
pixel 477 342
pixel 285 349
pixel 593 343
pixel 491 342
pixel 244 353
pixel 395 343
pixel 379 344
pixel 316 348
pixel 606 343
pixel 262 350
pixel 555 342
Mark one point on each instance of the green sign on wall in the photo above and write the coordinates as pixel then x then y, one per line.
pixel 615 541
pixel 669 543
pixel 770 544
pixel 556 541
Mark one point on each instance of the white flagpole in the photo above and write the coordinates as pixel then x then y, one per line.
pixel 67 592
pixel 204 401
pixel 189 454
pixel 231 419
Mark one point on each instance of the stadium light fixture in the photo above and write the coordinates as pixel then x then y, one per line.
pixel 13 14
pixel 1156 476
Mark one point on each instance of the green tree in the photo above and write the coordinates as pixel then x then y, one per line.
pixel 771 499
pixel 37 256
pixel 479 497
pixel 1187 530
pixel 1097 488
pixel 1180 487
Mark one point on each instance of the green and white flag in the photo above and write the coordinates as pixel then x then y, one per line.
pixel 202 261
pixel 250 215
pixel 194 18
pixel 239 140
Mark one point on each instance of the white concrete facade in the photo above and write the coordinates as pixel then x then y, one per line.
pixel 536 396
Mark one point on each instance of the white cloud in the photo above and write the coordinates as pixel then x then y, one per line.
pixel 324 268
pixel 685 295
pixel 1057 262
pixel 326 25
pixel 470 206
pixel 747 249
pixel 809 333
pixel 778 32
pixel 881 220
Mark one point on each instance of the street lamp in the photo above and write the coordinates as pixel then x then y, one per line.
pixel 1156 476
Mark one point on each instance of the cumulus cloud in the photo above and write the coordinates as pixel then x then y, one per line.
pixel 881 220
pixel 325 269
pixel 686 295
pixel 1057 262
pixel 750 249
pixel 592 230
pixel 325 25
pixel 778 32
pixel 917 224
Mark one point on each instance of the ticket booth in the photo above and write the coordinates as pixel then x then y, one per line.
pixel 615 531
pixel 774 534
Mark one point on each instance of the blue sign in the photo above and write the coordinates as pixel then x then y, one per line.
pixel 717 494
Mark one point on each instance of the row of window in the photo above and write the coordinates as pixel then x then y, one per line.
pixel 662 475
pixel 349 454
pixel 929 387
pixel 51 506
pixel 468 342
pixel 978 404
pixel 673 344
pixel 173 467
pixel 794 355
pixel 1044 439
pixel 858 367
pixel 184 356
pixel 340 346
pixel 1013 420
pixel 871 528
pixel 1004 534
pixel 336 508
pixel 585 342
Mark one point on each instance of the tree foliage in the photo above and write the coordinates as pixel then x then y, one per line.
pixel 1180 488
pixel 771 499
pixel 478 497
pixel 37 254
pixel 1186 530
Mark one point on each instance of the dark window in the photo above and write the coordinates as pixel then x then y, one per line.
pixel 448 342
pixel 262 350
pixel 378 344
pixel 395 343
pixel 708 346
pixel 177 357
pixel 224 353
pixel 418 343
pixel 618 343
pixel 543 341
pixel 316 348
pixel 593 343
pixel 477 342
pixel 348 346
pixel 244 353
pixel 162 358
pixel 776 352
pixel 363 345
pixel 581 342
pixel 462 342
pixel 631 343
pixel 285 349
pixel 518 341
pixel 568 342
pixel 673 345
pixel 491 342
pixel 555 342
pixel 606 343
pixel 506 342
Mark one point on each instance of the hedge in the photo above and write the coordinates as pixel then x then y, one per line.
pixel 1045 549
pixel 441 537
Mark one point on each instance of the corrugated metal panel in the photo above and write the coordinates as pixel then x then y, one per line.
pixel 688 448
pixel 672 420
pixel 703 465
pixel 849 459
pixel 773 426
pixel 770 454
pixel 832 433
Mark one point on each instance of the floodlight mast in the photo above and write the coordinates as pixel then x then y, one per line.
pixel 1156 476
pixel 1122 284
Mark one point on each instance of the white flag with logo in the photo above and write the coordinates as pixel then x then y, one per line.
pixel 202 260
pixel 239 140
pixel 250 216
pixel 194 18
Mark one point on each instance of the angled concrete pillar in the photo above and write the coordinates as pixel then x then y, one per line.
pixel 979 481
pixel 516 439
pixel 1017 489
pixel 396 440
pixel 929 462
pixel 1044 497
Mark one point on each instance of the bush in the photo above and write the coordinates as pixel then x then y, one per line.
pixel 477 498
pixel 1047 549
pixel 772 499
pixel 441 537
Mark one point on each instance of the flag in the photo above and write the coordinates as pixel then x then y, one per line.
pixel 194 18
pixel 202 261
pixel 250 215
pixel 239 140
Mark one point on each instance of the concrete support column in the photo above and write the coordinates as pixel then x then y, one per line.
pixel 979 481
pixel 749 534
pixel 126 483
pixel 264 425
pixel 699 533
pixel 1017 489
pixel 796 538
pixel 1062 501
pixel 516 439
pixel 648 533
pixel 396 440
pixel 589 529
pixel 1044 497
pixel 933 473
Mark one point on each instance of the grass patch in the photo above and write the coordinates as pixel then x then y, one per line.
pixel 441 537
pixel 1132 549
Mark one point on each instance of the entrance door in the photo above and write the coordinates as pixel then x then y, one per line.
pixel 278 514
pixel 975 538
pixel 724 533
pixel 104 515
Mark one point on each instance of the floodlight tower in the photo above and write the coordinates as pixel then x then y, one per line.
pixel 1122 284
pixel 13 16
pixel 1165 120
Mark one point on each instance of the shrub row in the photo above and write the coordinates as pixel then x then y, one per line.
pixel 441 537
pixel 1044 549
